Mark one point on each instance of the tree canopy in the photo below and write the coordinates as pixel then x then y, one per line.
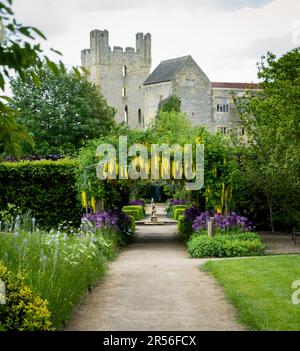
pixel 271 158
pixel 62 112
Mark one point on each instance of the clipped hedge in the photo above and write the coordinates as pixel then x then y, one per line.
pixel 133 213
pixel 177 207
pixel 46 187
pixel 234 245
pixel 178 212
pixel 136 211
pixel 184 228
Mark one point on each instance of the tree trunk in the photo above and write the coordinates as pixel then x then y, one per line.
pixel 269 198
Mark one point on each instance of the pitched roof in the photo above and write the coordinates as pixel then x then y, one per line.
pixel 220 85
pixel 166 70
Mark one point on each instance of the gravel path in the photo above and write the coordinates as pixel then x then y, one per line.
pixel 153 286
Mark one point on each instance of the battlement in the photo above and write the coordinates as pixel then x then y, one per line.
pixel 101 52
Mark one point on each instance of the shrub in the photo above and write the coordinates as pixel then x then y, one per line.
pixel 45 187
pixel 133 213
pixel 185 225
pixel 177 207
pixel 178 212
pixel 244 244
pixel 137 208
pixel 58 267
pixel 171 204
pixel 23 310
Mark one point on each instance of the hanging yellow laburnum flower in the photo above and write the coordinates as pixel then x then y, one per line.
pixel 223 196
pixel 165 168
pixel 111 167
pixel 199 140
pixel 84 199
pixel 123 172
pixel 93 204
pixel 173 169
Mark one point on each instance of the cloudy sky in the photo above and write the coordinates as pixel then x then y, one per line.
pixel 225 37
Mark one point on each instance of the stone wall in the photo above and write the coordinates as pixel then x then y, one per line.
pixel 194 89
pixel 153 95
pixel 231 119
pixel 120 73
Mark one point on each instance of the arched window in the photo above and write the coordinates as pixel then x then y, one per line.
pixel 123 92
pixel 126 114
pixel 140 116
pixel 124 71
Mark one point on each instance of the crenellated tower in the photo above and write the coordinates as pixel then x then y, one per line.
pixel 120 74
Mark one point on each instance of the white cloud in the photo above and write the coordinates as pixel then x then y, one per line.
pixel 226 38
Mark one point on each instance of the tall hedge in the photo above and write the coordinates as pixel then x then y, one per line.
pixel 48 188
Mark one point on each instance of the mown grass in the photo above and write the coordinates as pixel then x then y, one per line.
pixel 261 290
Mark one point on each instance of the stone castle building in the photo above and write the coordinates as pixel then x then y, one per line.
pixel 125 80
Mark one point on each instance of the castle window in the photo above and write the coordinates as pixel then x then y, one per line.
pixel 126 114
pixel 190 83
pixel 123 92
pixel 124 71
pixel 241 131
pixel 223 105
pixel 140 116
pixel 223 130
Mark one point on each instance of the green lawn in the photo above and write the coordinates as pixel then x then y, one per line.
pixel 261 290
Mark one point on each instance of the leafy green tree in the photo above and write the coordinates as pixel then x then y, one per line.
pixel 12 134
pixel 271 158
pixel 62 112
pixel 19 50
pixel 171 104
pixel 173 128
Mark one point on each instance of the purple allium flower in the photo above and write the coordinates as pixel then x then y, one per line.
pixel 137 203
pixel 175 202
pixel 226 221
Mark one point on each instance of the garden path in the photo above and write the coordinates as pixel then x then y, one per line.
pixel 153 286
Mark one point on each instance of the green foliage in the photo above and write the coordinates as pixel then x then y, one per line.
pixel 46 187
pixel 184 227
pixel 62 112
pixel 112 193
pixel 171 104
pixel 138 208
pixel 24 310
pixel 132 223
pixel 135 213
pixel 271 159
pixel 12 134
pixel 260 289
pixel 173 128
pixel 178 212
pixel 233 245
pixel 58 267
pixel 172 210
pixel 220 172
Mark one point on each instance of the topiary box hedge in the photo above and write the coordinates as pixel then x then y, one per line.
pixel 135 210
pixel 46 187
pixel 178 212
